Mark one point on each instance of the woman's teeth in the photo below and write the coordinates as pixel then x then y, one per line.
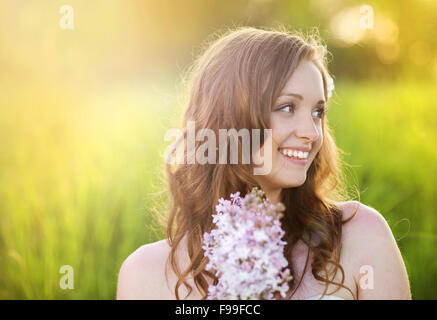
pixel 294 153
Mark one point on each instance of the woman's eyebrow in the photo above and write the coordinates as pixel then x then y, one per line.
pixel 292 95
pixel 299 97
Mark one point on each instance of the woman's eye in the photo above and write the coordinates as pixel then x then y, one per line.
pixel 318 113
pixel 288 108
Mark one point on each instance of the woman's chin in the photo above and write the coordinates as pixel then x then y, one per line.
pixel 294 182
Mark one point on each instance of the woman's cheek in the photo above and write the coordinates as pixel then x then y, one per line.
pixel 281 129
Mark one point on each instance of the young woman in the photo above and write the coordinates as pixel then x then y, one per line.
pixel 270 79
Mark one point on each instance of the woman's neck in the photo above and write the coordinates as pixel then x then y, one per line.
pixel 273 194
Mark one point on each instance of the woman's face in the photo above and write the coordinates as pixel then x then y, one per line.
pixel 296 122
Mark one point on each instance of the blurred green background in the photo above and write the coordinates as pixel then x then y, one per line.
pixel 83 113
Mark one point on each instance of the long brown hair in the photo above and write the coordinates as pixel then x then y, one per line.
pixel 233 84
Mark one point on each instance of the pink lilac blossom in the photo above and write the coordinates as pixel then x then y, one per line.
pixel 245 250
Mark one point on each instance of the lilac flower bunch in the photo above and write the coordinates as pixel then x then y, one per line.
pixel 245 250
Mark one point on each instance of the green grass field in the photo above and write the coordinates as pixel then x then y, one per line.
pixel 81 175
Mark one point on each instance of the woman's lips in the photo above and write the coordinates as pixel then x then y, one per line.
pixel 294 155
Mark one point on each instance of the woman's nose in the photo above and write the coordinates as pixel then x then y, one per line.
pixel 307 129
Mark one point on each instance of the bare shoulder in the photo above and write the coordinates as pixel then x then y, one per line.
pixel 363 219
pixel 364 226
pixel 141 275
pixel 371 251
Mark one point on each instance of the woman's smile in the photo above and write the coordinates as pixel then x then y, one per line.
pixel 294 156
